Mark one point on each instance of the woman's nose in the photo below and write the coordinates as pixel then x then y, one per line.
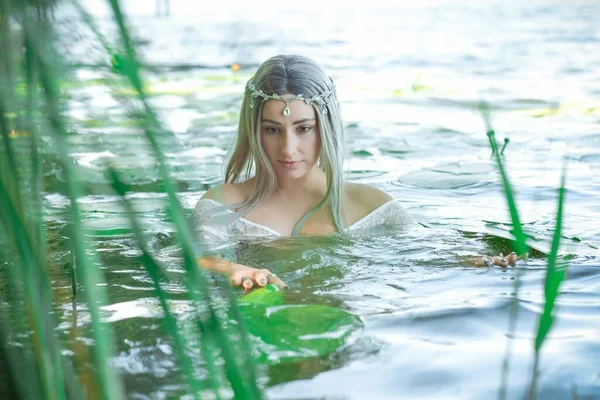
pixel 289 144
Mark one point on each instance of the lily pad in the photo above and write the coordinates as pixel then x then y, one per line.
pixel 291 332
pixel 270 295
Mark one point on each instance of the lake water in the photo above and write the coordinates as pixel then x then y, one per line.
pixel 409 77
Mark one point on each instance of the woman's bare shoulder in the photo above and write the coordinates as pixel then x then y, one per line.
pixel 230 193
pixel 364 197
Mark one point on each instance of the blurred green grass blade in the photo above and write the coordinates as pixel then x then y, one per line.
pixel 16 362
pixel 7 79
pixel 37 298
pixel 196 280
pixel 37 177
pixel 91 278
pixel 554 275
pixel 19 360
pixel 520 236
pixel 37 294
pixel 89 21
pixel 36 223
pixel 241 377
pixel 12 175
pixel 131 67
pixel 10 194
pixel 154 270
pixel 21 209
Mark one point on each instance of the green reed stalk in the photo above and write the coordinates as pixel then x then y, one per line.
pixel 46 376
pixel 554 277
pixel 37 177
pixel 14 389
pixel 239 367
pixel 37 296
pixel 17 360
pixel 519 246
pixel 91 278
pixel 37 228
pixel 155 272
pixel 7 100
pixel 27 264
pixel 17 273
pixel 89 21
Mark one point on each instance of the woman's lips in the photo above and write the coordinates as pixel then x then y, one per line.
pixel 290 164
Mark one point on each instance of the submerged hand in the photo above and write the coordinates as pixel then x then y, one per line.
pixel 499 261
pixel 248 277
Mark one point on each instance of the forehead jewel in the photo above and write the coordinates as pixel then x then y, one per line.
pixel 321 99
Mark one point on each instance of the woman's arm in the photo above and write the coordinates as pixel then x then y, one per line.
pixel 239 274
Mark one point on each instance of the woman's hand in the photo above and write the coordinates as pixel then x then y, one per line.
pixel 499 261
pixel 248 277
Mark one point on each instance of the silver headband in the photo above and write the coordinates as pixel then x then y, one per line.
pixel 321 99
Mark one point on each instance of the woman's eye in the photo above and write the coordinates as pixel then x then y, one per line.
pixel 304 129
pixel 272 130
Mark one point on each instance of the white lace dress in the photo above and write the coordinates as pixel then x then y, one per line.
pixel 389 214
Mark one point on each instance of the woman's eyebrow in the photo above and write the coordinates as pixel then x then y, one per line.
pixel 271 121
pixel 303 120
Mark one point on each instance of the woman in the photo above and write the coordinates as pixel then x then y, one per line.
pixel 285 176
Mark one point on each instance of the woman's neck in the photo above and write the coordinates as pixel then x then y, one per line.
pixel 313 183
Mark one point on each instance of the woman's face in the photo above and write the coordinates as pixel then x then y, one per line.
pixel 292 143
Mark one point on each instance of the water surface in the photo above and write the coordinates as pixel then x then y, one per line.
pixel 409 76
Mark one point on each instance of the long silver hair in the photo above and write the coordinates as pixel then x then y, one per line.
pixel 289 74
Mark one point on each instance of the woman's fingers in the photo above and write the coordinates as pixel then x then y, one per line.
pixel 235 281
pixel 512 259
pixel 261 277
pixel 504 262
pixel 272 278
pixel 264 276
pixel 242 278
pixel 247 282
pixel 249 278
pixel 499 261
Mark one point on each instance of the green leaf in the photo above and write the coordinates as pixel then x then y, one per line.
pixel 288 333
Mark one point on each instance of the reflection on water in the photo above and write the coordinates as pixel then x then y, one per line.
pixel 408 77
